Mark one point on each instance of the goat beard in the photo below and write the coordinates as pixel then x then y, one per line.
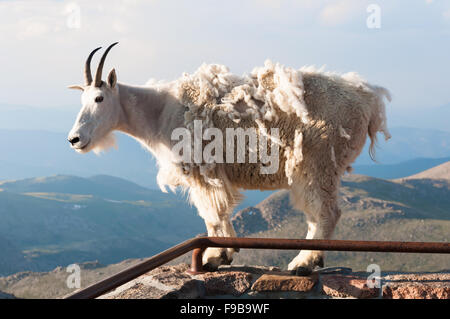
pixel 105 143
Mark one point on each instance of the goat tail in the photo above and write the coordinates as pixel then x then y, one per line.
pixel 378 120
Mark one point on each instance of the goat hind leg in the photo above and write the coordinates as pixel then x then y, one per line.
pixel 307 260
pixel 322 218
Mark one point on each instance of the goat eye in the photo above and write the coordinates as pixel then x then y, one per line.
pixel 99 99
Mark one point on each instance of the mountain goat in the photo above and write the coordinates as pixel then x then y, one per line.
pixel 214 133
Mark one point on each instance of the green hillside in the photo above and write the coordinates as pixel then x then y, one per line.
pixel 82 222
pixel 101 186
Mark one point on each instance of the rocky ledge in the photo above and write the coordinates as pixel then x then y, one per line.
pixel 270 282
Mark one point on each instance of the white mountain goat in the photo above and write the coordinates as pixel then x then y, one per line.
pixel 314 123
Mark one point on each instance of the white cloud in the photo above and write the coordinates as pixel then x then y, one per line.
pixel 36 18
pixel 24 20
pixel 31 28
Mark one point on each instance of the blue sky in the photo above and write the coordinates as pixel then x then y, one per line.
pixel 44 45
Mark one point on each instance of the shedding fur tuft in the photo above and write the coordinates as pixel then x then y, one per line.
pixel 378 120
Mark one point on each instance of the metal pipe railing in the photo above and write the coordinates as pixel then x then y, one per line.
pixel 198 245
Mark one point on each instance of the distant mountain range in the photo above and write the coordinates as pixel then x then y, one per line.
pixel 403 169
pixel 41 229
pixel 100 210
pixel 439 172
pixel 408 144
pixel 61 119
pixel 102 186
pixel 27 154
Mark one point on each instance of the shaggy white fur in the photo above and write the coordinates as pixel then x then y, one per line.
pixel 267 90
pixel 269 93
pixel 262 96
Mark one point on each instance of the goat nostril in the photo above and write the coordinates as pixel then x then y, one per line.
pixel 74 140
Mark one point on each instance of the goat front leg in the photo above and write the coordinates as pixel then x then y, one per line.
pixel 214 257
pixel 218 224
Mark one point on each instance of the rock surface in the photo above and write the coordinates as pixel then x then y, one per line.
pixel 227 283
pixel 166 282
pixel 269 282
pixel 343 286
pixel 285 283
pixel 417 286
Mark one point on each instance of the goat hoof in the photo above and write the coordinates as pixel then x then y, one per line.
pixel 301 271
pixel 213 263
pixel 320 262
pixel 224 260
pixel 208 267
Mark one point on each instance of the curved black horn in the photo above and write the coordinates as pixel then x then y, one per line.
pixel 87 68
pixel 98 74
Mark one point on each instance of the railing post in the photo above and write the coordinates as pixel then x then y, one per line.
pixel 197 263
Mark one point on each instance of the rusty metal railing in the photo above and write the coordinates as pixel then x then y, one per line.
pixel 198 245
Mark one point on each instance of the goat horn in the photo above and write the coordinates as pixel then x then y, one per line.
pixel 87 68
pixel 98 74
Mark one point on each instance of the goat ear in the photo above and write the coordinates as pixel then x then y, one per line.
pixel 76 87
pixel 112 78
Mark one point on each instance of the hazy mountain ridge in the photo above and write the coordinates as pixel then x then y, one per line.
pixel 407 144
pixel 32 153
pixel 399 170
pixel 439 172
